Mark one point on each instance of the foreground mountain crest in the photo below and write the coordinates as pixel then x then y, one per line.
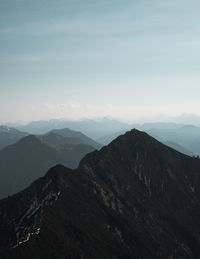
pixel 22 213
pixel 135 198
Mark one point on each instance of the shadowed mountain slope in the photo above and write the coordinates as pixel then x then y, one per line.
pixel 10 136
pixel 179 148
pixel 183 138
pixel 28 159
pixel 135 198
pixel 76 137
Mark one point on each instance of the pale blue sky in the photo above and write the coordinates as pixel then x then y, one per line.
pixel 88 58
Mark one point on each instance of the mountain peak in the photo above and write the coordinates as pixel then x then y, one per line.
pixel 135 141
pixel 30 139
pixel 136 194
pixel 57 170
pixel 134 135
pixel 138 156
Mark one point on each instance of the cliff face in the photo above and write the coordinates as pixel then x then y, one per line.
pixel 135 198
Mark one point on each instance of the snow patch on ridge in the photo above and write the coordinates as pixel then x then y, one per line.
pixel 192 188
pixel 137 169
pixel 119 233
pixel 29 223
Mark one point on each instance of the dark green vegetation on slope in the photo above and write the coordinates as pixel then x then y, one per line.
pixel 135 198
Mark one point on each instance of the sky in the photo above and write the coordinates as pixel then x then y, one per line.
pixel 88 58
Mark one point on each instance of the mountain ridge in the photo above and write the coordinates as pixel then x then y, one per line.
pixel 135 198
pixel 29 158
pixel 10 136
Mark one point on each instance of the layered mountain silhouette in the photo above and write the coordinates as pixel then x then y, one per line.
pixel 135 198
pixel 195 145
pixel 179 148
pixel 183 138
pixel 92 128
pixel 10 136
pixel 28 159
pixel 74 137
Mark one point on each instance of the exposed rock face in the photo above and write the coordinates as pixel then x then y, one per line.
pixel 135 198
pixel 21 214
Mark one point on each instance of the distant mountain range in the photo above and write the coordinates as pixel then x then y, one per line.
pixel 184 138
pixel 179 148
pixel 96 128
pixel 105 130
pixel 28 159
pixel 68 147
pixel 92 128
pixel 135 198
pixel 10 136
pixel 75 137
